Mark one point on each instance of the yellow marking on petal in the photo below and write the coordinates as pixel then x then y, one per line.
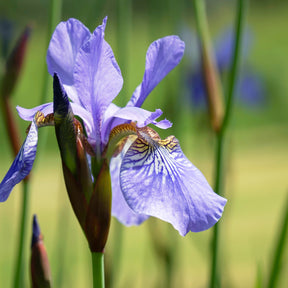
pixel 118 137
pixel 170 142
pixel 42 121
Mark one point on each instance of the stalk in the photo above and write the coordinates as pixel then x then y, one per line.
pixel 98 269
pixel 221 135
pixel 20 263
pixel 219 123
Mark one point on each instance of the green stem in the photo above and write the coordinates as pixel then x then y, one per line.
pixel 116 252
pixel 215 275
pixel 20 263
pixel 239 28
pixel 98 269
pixel 279 250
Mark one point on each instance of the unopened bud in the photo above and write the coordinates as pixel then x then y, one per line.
pixel 76 171
pixel 14 64
pixel 214 88
pixel 99 211
pixel 211 74
pixel 40 268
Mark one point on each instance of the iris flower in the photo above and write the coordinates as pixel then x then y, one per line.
pixel 149 176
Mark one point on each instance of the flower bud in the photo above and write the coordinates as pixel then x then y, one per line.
pixel 99 211
pixel 214 88
pixel 14 64
pixel 211 74
pixel 74 161
pixel 40 268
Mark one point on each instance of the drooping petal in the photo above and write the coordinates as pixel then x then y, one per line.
pixel 158 180
pixel 141 116
pixel 162 56
pixel 97 76
pixel 22 164
pixel 120 208
pixel 28 114
pixel 65 43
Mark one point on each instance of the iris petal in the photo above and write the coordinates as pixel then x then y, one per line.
pixel 22 164
pixel 141 116
pixel 28 114
pixel 120 209
pixel 65 43
pixel 97 76
pixel 162 56
pixel 158 180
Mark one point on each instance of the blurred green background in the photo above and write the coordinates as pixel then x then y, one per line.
pixel 256 150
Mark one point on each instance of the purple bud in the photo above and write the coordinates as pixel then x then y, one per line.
pixel 36 233
pixel 39 265
pixel 74 161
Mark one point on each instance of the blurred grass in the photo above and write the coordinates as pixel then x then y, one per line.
pixel 257 164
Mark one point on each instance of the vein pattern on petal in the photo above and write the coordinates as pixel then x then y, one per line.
pixel 22 164
pixel 158 180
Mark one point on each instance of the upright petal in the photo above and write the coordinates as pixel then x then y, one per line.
pixel 22 164
pixel 97 76
pixel 162 56
pixel 120 208
pixel 65 43
pixel 158 180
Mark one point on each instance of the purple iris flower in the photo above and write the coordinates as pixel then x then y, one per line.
pixel 149 176
pixel 249 88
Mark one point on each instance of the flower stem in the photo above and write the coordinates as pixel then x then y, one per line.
pixel 116 252
pixel 19 270
pixel 215 275
pixel 279 250
pixel 98 269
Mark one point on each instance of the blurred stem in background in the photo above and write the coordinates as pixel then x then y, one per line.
pixel 279 250
pixel 123 35
pixel 219 123
pixel 165 248
pixel 19 278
